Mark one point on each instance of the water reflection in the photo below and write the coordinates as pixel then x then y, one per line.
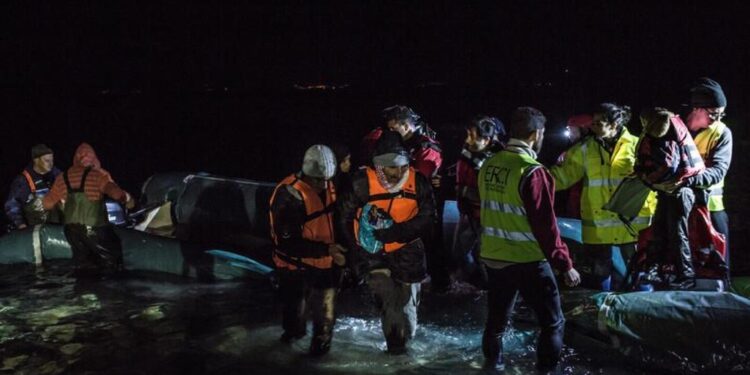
pixel 51 323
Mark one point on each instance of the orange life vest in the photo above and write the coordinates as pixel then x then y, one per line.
pixel 401 205
pixel 318 227
pixel 29 181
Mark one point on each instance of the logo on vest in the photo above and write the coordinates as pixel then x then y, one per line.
pixel 496 178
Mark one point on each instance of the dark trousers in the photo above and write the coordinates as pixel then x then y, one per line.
pixel 670 231
pixel 538 287
pixel 720 221
pixel 597 261
pixel 305 293
pixel 94 247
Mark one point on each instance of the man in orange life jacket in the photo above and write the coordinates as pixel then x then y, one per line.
pixel 394 275
pixel 34 181
pixel 666 157
pixel 305 252
pixel 96 247
pixel 426 157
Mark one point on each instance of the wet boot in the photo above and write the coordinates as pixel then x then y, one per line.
pixel 653 276
pixel 686 277
pixel 320 345
pixel 396 341
pixel 492 350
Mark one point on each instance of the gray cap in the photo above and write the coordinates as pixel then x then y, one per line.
pixel 319 162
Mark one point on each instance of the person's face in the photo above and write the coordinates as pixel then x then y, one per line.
pixel 394 174
pixel 601 128
pixel 44 163
pixel 346 165
pixel 574 134
pixel 474 142
pixel 401 127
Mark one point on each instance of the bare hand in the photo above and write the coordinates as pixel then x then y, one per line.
pixel 572 278
pixel 21 226
pixel 337 251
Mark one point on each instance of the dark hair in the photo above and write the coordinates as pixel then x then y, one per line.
pixel 526 120
pixel 488 127
pixel 614 114
pixel 401 113
pixel 340 150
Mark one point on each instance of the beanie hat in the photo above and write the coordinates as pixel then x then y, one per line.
pixel 40 150
pixel 390 151
pixel 707 93
pixel 319 162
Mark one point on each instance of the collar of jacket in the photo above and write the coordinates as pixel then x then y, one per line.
pixel 520 147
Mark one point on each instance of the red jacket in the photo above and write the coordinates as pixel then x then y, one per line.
pixel 672 157
pixel 426 154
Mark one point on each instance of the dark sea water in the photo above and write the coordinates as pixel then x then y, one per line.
pixel 51 323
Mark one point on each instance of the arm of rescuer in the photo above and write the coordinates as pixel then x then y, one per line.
pixel 717 163
pixel 19 192
pixel 538 196
pixel 109 188
pixel 427 160
pixel 103 183
pixel 571 169
pixel 290 216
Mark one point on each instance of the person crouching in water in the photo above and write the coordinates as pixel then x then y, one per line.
pixel 306 254
pixel 520 239
pixel 395 273
pixel 666 156
pixel 83 187
pixel 482 142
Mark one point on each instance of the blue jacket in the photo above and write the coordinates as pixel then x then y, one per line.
pixel 20 190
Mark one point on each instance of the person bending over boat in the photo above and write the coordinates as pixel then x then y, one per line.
pixel 82 188
pixel 666 157
pixel 520 239
pixel 305 252
pixel 395 271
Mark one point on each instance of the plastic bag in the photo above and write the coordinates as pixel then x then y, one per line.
pixel 372 219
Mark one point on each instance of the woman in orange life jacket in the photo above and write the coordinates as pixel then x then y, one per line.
pixel 483 140
pixel 306 255
pixel 394 275
pixel 666 156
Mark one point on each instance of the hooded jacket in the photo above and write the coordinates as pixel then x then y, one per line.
pixel 98 182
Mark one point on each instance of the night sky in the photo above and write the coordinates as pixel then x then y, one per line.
pixel 163 86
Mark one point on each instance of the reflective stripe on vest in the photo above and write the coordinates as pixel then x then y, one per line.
pixel 506 234
pixel 29 181
pixel 603 173
pixel 401 206
pixel 706 141
pixel 318 227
